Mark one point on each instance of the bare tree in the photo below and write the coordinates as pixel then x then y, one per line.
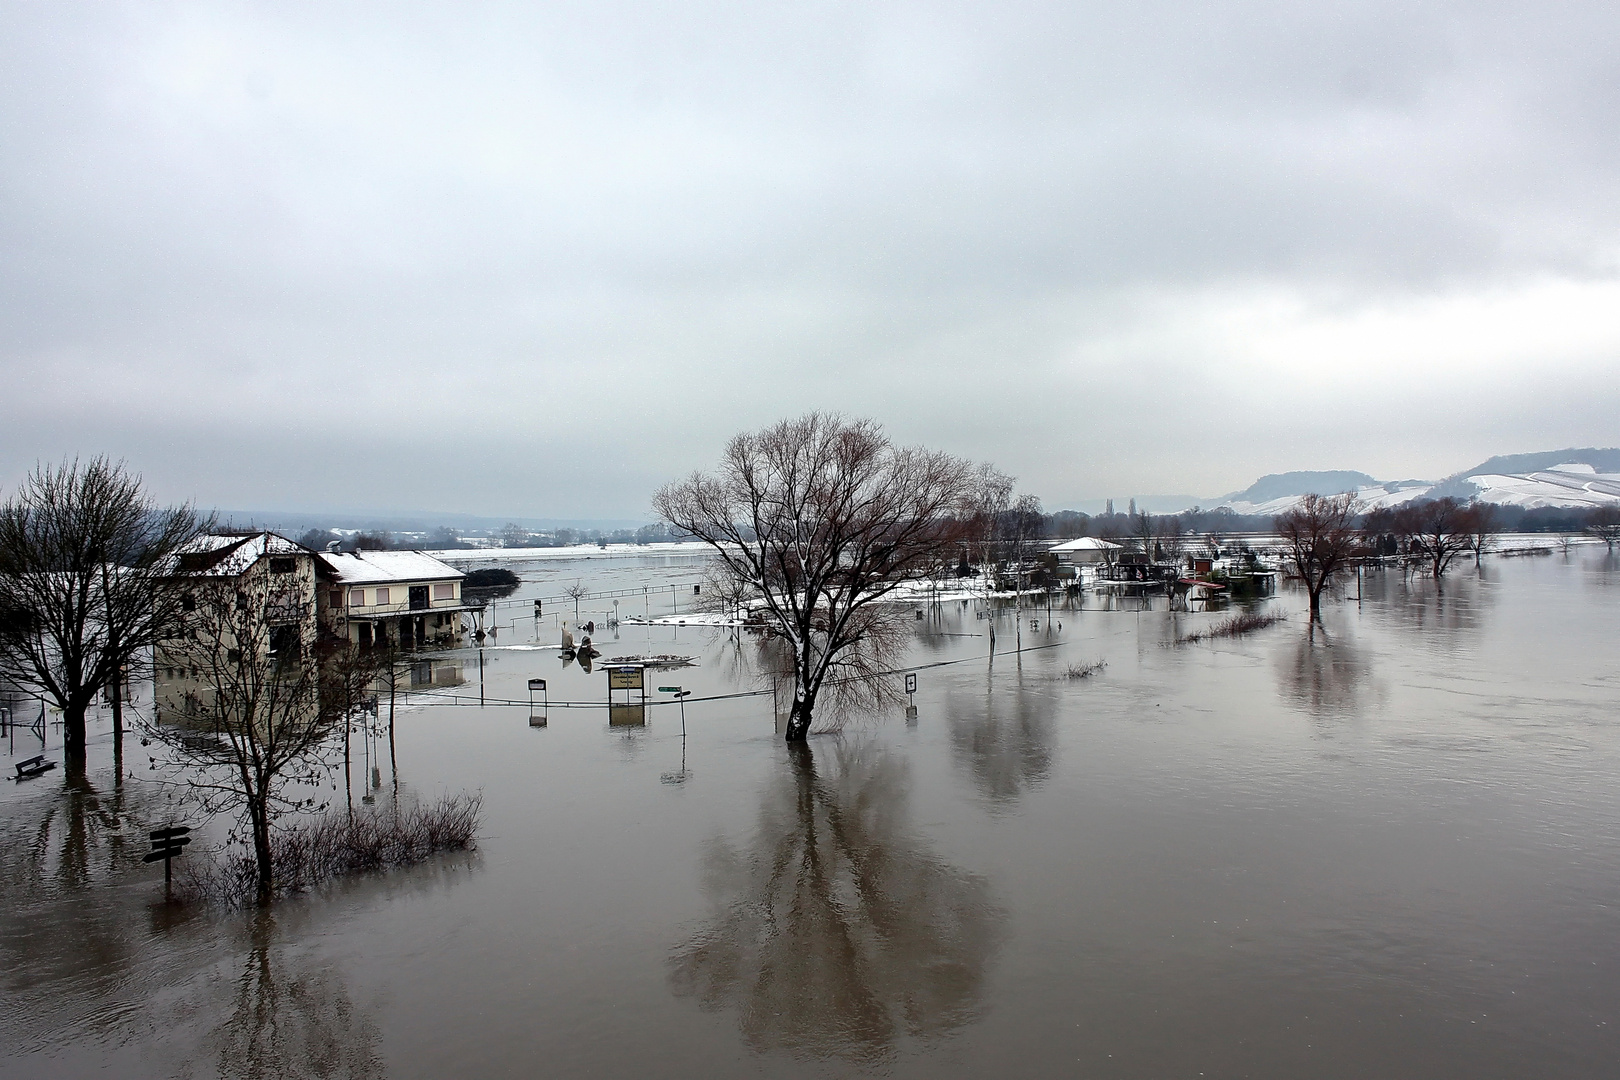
pixel 1319 539
pixel 576 592
pixel 1142 527
pixel 1481 522
pixel 81 599
pixel 823 518
pixel 1604 523
pixel 1438 531
pixel 250 726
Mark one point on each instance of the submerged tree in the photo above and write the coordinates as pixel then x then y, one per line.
pixel 248 728
pixel 1604 523
pixel 81 599
pixel 1437 531
pixel 1481 522
pixel 823 518
pixel 1319 538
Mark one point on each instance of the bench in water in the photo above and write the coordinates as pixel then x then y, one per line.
pixel 34 766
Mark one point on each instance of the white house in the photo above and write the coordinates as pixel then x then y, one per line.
pixel 1086 550
pixel 403 598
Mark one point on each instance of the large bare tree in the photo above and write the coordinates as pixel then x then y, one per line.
pixel 822 518
pixel 1319 539
pixel 81 597
pixel 1437 531
pixel 244 724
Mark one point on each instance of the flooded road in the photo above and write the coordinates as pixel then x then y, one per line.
pixel 1388 845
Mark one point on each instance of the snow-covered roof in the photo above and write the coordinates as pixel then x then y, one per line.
pixel 214 555
pixel 385 567
pixel 1087 543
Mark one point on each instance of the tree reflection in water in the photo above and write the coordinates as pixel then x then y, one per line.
pixel 835 933
pixel 1005 744
pixel 1324 674
pixel 290 1021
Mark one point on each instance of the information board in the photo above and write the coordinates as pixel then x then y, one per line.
pixel 625 678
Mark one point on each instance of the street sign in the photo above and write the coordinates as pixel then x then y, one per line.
pixel 625 678
pixel 669 689
pixel 537 684
pixel 166 845
pixel 911 683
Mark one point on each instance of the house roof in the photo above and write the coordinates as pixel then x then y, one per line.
pixel 383 567
pixel 214 555
pixel 1087 543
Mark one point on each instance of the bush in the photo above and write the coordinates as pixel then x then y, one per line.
pixel 1238 625
pixel 341 844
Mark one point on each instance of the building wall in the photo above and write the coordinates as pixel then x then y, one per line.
pixel 439 627
pixel 287 619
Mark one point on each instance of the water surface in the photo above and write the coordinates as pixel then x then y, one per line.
pixel 1386 845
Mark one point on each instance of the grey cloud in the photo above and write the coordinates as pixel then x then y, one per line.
pixel 421 259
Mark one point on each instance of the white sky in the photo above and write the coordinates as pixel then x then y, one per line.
pixel 538 259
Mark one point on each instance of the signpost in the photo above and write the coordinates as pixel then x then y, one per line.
pixel 681 696
pixel 911 699
pixel 540 685
pixel 627 677
pixel 168 844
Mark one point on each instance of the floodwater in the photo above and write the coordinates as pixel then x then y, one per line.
pixel 1388 845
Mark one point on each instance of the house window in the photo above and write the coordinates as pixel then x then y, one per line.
pixel 357 598
pixel 382 597
pixel 282 566
pixel 241 601
pixel 337 598
pixel 447 591
pixel 188 602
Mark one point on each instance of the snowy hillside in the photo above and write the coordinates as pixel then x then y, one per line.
pixel 1372 496
pixel 1559 478
pixel 1570 484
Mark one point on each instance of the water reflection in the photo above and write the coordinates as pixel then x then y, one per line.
pixel 290 1019
pixel 1324 673
pixel 1005 739
pixel 1421 606
pixel 836 933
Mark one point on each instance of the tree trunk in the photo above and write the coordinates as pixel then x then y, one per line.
pixel 798 725
pixel 260 817
pixel 73 736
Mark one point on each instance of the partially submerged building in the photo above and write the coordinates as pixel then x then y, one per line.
pixel 407 599
pixel 238 592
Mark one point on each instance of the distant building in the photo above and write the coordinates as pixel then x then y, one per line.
pixel 401 598
pixel 1085 551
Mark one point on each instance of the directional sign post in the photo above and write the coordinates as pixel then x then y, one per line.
pixel 681 696
pixel 911 692
pixel 167 844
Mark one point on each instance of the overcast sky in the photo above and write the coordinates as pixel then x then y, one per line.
pixel 537 259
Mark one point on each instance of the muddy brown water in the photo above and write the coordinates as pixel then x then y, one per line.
pixel 1386 846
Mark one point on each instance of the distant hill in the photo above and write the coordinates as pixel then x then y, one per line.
pixel 1606 460
pixel 1285 485
pixel 1569 478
